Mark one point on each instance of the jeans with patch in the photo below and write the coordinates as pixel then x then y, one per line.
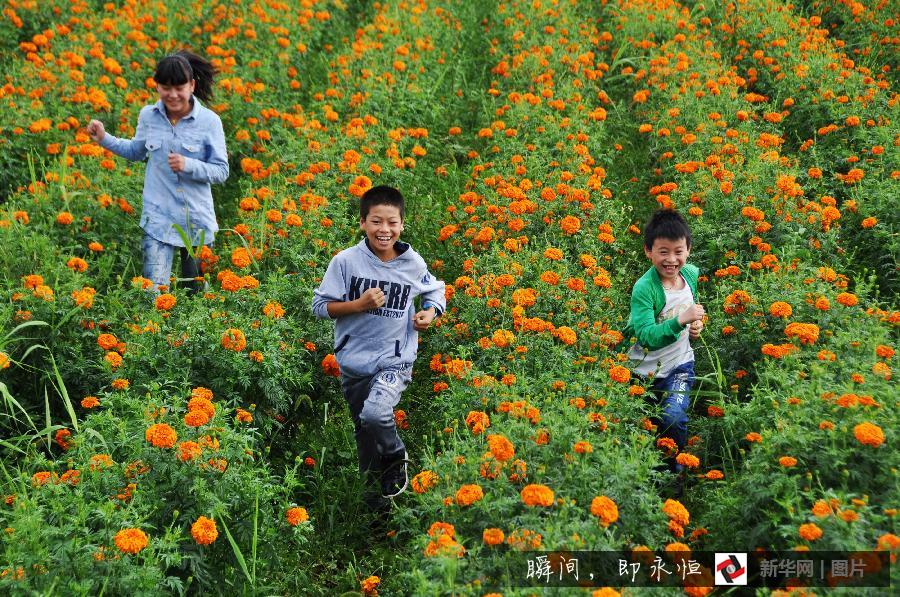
pixel 158 263
pixel 673 393
pixel 372 401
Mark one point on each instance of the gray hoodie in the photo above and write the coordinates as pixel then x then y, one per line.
pixel 367 342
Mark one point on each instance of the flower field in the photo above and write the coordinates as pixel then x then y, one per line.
pixel 187 444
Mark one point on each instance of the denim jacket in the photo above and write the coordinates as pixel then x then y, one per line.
pixel 184 198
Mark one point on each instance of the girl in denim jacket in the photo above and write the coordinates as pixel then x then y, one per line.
pixel 184 144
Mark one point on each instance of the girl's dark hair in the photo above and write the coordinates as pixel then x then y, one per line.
pixel 380 195
pixel 184 66
pixel 669 224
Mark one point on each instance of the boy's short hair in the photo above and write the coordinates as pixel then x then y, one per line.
pixel 666 223
pixel 380 195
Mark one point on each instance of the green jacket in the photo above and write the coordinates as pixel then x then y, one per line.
pixel 647 301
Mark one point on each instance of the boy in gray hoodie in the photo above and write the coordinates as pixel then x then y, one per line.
pixel 369 290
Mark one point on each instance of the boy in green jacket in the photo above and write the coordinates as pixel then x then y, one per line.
pixel 665 317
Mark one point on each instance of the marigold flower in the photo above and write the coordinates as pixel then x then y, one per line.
pixel 477 421
pixel 676 511
pixel 619 374
pixel 188 451
pixel 296 515
pixel 77 264
pixel 687 460
pixel 196 418
pixel 501 448
pixel 234 339
pixel 810 531
pixel 164 302
pixel 424 481
pixel 204 530
pixel 161 435
pixel 469 494
pixel 64 218
pixel 570 225
pixel 537 495
pixel 868 434
pixel 131 541
pixel 330 366
pixel 90 402
pixel 780 309
pixel 605 509
pixel 753 437
pixel 847 299
pixel 243 416
pixel 583 447
pixel 787 461
pixel 492 536
pixel 369 586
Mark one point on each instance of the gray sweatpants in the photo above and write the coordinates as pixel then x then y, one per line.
pixel 372 401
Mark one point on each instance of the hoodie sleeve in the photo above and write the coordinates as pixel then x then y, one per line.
pixel 331 289
pixel 649 334
pixel 432 291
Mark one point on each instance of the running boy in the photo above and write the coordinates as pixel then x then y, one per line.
pixel 369 290
pixel 663 303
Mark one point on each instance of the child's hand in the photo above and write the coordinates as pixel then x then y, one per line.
pixel 371 299
pixel 693 313
pixel 96 130
pixel 176 162
pixel 423 319
pixel 695 329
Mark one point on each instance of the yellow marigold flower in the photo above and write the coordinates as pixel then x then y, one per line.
pixel 537 495
pixel 869 434
pixel 131 541
pixel 605 509
pixel 204 530
pixel 296 515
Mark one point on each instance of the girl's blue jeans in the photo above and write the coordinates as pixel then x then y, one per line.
pixel 158 263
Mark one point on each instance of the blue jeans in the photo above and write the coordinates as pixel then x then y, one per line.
pixel 158 263
pixel 673 393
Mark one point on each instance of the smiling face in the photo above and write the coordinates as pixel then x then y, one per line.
pixel 176 98
pixel 668 257
pixel 382 225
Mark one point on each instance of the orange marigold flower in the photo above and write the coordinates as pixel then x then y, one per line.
pixel 753 437
pixel 492 536
pixel 570 225
pixel 787 461
pixel 537 495
pixel 424 481
pixel 243 416
pixel 77 264
pixel 847 299
pixel 234 339
pixel 369 586
pixel 807 333
pixel 821 509
pixel 501 448
pixel 687 460
pixel 810 531
pixel 164 302
pixel 469 494
pixel 131 541
pixel 605 509
pixel 330 366
pixel 868 434
pixel 619 374
pixel 477 421
pixel 583 447
pixel 161 435
pixel 42 478
pixel 204 530
pixel 107 341
pixel 89 402
pixel 188 451
pixel 296 515
pixel 780 309
pixel 676 511
pixel 196 418
pixel 64 218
